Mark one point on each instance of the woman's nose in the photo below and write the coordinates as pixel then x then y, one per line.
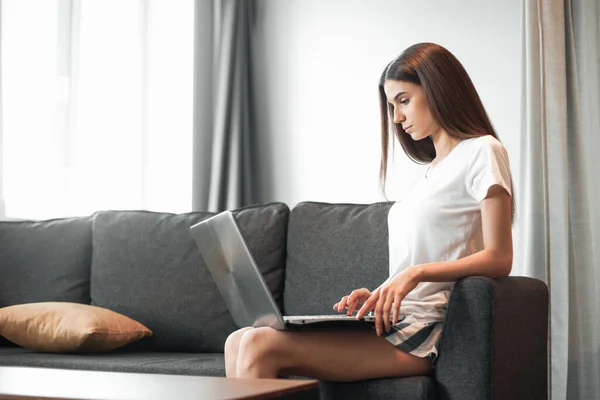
pixel 398 117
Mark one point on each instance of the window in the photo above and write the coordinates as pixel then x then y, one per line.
pixel 97 106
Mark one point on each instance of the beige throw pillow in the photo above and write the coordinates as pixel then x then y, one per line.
pixel 68 327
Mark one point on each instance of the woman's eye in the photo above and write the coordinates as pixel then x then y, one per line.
pixel 405 101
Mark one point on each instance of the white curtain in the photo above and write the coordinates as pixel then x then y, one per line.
pixel 559 221
pixel 97 106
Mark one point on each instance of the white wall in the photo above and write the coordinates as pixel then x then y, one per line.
pixel 317 68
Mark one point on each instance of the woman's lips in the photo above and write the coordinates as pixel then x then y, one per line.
pixel 408 129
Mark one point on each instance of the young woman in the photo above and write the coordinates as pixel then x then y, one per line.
pixel 455 222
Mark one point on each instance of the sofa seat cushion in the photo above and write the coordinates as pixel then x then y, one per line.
pixel 416 387
pixel 201 364
pixel 209 364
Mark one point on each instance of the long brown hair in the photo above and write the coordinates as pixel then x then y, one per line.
pixel 451 96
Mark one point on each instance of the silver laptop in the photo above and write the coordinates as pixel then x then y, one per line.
pixel 241 283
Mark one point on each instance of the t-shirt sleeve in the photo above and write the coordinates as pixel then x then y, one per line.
pixel 490 167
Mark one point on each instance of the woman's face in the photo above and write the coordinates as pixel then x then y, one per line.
pixel 411 109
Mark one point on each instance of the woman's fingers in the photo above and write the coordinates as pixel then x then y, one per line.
pixel 387 307
pixel 351 306
pixel 385 302
pixel 352 301
pixel 343 304
pixel 396 308
pixel 339 306
pixel 362 292
pixel 368 305
pixel 355 298
pixel 379 313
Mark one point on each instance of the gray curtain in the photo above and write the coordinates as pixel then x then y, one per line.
pixel 559 221
pixel 2 203
pixel 224 149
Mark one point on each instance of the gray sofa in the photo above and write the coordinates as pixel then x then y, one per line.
pixel 145 265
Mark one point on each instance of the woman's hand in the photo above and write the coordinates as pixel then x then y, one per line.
pixel 387 298
pixel 353 300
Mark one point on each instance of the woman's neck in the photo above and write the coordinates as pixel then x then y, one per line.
pixel 443 144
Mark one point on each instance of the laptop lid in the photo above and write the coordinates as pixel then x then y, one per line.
pixel 235 272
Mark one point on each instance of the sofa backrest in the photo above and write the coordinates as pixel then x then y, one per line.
pixel 146 265
pixel 45 261
pixel 333 249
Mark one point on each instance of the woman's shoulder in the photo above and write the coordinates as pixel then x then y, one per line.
pixel 485 144
pixel 486 153
pixel 485 141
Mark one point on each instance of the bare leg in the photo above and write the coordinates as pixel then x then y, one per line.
pixel 335 356
pixel 232 345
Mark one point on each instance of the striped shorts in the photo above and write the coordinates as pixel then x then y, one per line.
pixel 417 338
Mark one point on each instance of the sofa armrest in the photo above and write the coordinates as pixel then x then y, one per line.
pixel 494 344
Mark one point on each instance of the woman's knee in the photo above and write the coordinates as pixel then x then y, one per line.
pixel 256 350
pixel 232 343
pixel 256 343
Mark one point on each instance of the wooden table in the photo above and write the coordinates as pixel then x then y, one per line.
pixel 45 383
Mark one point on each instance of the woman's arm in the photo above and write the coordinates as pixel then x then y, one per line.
pixel 494 261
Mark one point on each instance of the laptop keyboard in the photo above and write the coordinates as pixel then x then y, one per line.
pixel 298 317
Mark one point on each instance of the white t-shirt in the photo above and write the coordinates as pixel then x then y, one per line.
pixel 440 219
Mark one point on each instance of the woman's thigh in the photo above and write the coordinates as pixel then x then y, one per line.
pixel 339 355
